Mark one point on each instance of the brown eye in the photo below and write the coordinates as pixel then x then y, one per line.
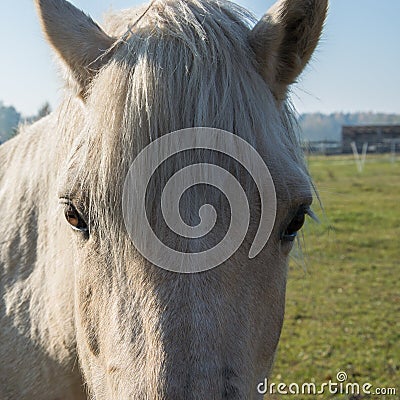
pixel 74 219
pixel 295 226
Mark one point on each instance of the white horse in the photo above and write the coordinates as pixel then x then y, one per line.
pixel 82 312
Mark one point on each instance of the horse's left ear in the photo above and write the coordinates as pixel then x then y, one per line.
pixel 285 39
pixel 77 39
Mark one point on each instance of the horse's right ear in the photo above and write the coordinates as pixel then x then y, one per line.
pixel 77 39
pixel 285 39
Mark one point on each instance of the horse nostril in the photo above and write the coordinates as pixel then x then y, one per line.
pixel 93 344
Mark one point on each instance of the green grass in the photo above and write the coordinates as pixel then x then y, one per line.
pixel 343 295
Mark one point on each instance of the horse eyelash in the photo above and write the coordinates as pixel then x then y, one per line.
pixel 312 215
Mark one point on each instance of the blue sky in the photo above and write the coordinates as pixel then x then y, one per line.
pixel 356 67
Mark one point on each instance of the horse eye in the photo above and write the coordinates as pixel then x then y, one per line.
pixel 295 226
pixel 74 219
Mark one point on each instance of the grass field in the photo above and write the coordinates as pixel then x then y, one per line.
pixel 343 297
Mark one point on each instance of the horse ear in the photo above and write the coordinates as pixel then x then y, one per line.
pixel 77 39
pixel 285 39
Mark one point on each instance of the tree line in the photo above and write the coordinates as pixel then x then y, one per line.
pixel 318 127
pixel 313 127
pixel 11 119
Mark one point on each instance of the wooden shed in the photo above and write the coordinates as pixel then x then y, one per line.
pixel 380 138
